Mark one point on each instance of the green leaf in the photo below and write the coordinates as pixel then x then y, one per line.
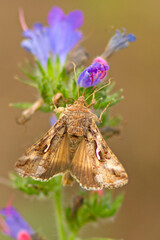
pixel 98 239
pixel 27 82
pixel 29 75
pixel 50 70
pixel 58 64
pixel 93 207
pixel 23 105
pixel 41 69
pixel 46 108
pixel 26 105
pixel 35 187
pixel 61 88
pixel 115 95
pixel 110 87
pixel 114 121
pixel 57 71
pixel 46 90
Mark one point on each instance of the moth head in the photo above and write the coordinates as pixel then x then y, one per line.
pixel 81 101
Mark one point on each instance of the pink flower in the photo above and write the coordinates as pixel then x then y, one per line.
pixel 23 235
pixel 100 192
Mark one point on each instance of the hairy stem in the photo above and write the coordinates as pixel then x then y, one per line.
pixel 59 215
pixel 27 114
pixel 73 236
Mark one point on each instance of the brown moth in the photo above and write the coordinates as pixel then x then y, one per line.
pixel 74 147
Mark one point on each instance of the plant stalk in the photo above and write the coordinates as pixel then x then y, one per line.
pixel 59 215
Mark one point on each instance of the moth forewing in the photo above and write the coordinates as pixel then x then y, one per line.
pixel 48 156
pixel 109 171
pixel 74 147
pixel 94 165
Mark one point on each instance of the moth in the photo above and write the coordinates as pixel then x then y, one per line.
pixel 74 147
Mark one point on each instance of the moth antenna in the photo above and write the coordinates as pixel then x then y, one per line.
pixel 109 82
pixel 74 66
pixel 104 111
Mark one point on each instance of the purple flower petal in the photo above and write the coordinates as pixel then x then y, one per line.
pixel 37 43
pixel 63 39
pixel 55 15
pixel 59 38
pixel 53 119
pixel 28 33
pixel 38 27
pixel 75 19
pixel 118 41
pixel 131 37
pixel 14 222
pixel 94 74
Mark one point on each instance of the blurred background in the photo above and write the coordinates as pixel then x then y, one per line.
pixel 135 69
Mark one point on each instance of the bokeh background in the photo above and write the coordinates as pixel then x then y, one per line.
pixel 136 70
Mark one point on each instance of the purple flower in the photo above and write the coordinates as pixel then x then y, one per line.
pixel 37 42
pixel 14 225
pixel 117 42
pixel 53 119
pixel 94 74
pixel 59 38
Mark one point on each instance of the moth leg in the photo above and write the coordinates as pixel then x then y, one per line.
pixel 28 113
pixel 67 179
pixel 56 98
pixel 59 109
pixel 100 117
pixel 93 101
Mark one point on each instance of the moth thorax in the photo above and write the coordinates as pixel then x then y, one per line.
pixel 77 131
pixel 81 101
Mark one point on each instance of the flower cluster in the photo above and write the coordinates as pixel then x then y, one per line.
pixel 61 36
pixel 57 39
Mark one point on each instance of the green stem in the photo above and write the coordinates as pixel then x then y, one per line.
pixel 59 215
pixel 73 236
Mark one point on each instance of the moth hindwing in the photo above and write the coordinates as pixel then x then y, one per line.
pixel 74 147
